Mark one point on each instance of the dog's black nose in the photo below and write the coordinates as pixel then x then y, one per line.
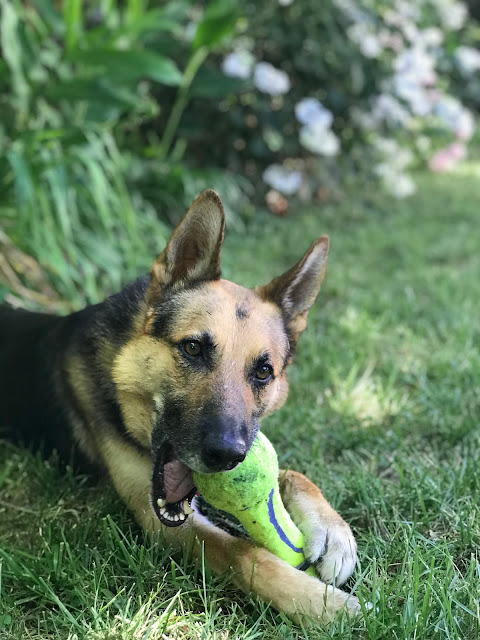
pixel 223 452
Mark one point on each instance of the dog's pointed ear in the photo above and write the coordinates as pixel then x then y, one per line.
pixel 295 290
pixel 193 252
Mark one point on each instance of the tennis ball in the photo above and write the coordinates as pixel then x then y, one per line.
pixel 250 492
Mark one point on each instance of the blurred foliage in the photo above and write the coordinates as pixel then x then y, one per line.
pixel 348 55
pixel 252 128
pixel 83 168
pixel 116 115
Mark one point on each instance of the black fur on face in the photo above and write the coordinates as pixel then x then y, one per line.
pixel 210 435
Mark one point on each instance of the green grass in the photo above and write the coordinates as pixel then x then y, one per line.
pixel 383 415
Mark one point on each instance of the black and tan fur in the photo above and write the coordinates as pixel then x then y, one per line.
pixel 175 372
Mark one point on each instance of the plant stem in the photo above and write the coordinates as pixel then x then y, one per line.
pixel 181 100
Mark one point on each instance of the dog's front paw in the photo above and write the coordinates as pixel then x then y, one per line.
pixel 330 546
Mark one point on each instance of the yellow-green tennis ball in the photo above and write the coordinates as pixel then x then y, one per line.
pixel 247 484
pixel 251 493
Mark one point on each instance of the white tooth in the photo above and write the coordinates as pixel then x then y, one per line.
pixel 182 516
pixel 176 518
pixel 163 511
pixel 187 509
pixel 161 503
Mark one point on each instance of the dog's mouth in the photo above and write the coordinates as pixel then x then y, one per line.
pixel 172 487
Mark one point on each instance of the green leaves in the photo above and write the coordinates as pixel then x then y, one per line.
pixel 212 83
pixel 72 13
pixel 166 19
pixel 11 39
pixel 217 25
pixel 92 97
pixel 129 65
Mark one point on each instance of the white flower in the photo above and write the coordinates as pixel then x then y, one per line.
pixel 452 14
pixel 430 37
pixel 468 59
pixel 399 185
pixel 417 97
pixel 448 109
pixel 387 146
pixel 393 18
pixel 396 157
pixel 416 64
pixel 392 169
pixel 270 80
pixel 371 46
pixel 390 40
pixel 403 158
pixel 408 10
pixel 382 169
pixel 465 125
pixel 402 187
pixel 238 64
pixel 287 181
pixel 315 135
pixel 358 31
pixel 367 40
pixel 414 71
pixel 310 111
pixel 319 140
pixel 387 108
pixel 455 117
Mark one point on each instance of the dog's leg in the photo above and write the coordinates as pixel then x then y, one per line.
pixel 253 568
pixel 329 542
pixel 257 570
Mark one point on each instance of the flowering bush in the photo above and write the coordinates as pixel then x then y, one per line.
pixel 364 79
pixel 117 114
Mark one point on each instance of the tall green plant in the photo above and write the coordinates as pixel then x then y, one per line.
pixel 78 90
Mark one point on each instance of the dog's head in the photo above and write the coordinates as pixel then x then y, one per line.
pixel 210 357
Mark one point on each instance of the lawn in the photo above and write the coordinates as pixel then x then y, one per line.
pixel 383 415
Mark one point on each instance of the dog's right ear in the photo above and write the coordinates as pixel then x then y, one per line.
pixel 193 252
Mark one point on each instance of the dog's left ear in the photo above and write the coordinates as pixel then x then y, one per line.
pixel 295 291
pixel 193 252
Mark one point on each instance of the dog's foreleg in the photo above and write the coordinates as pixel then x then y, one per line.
pixel 253 568
pixel 256 570
pixel 329 542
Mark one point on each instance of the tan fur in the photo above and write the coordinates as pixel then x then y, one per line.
pixel 253 569
pixel 193 249
pixel 142 366
pixel 82 415
pixel 148 371
pixel 296 289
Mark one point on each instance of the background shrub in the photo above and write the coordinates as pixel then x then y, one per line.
pixel 114 117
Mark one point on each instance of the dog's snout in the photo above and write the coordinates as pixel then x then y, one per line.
pixel 223 451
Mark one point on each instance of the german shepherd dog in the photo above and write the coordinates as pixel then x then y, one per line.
pixel 173 374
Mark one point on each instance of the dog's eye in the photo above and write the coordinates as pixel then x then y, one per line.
pixel 192 347
pixel 263 372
